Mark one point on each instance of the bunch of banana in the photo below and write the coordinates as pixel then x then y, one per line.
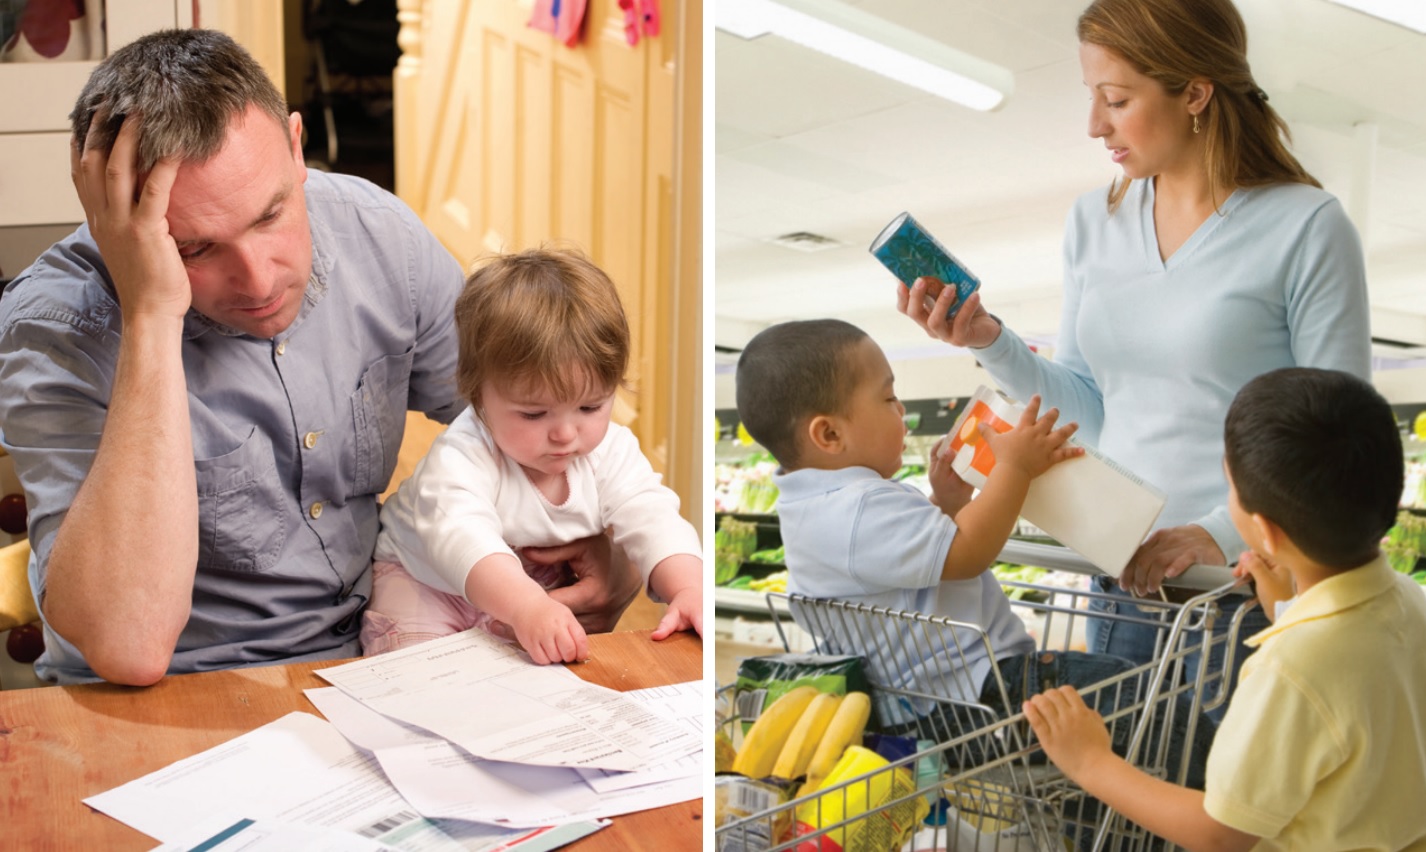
pixel 845 729
pixel 804 732
pixel 774 582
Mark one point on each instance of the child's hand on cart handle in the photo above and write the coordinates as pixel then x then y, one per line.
pixel 1073 735
pixel 1272 581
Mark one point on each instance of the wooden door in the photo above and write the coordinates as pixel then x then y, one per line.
pixel 507 139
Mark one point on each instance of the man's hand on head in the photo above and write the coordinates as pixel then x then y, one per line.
pixel 127 216
pixel 604 586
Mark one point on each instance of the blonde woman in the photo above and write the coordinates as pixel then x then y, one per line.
pixel 1215 257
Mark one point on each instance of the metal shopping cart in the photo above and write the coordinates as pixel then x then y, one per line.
pixel 983 777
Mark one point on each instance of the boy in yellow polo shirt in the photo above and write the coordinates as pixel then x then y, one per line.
pixel 1324 743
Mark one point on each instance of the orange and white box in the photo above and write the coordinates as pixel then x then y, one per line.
pixel 1090 504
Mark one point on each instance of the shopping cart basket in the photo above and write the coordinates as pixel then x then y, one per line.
pixel 989 786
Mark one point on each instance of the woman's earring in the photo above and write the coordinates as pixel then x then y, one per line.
pixel 1195 122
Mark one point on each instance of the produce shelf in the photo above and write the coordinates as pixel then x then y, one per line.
pixel 744 600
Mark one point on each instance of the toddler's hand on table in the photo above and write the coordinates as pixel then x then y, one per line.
pixel 678 579
pixel 549 632
pixel 685 611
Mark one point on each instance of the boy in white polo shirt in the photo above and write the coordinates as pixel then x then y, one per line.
pixel 1324 743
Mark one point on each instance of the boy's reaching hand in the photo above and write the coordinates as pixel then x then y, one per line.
pixel 1072 734
pixel 948 491
pixel 1034 445
pixel 1272 581
pixel 549 632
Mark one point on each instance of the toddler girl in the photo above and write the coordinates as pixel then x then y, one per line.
pixel 534 462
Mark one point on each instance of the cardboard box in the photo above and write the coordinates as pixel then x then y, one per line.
pixel 1090 504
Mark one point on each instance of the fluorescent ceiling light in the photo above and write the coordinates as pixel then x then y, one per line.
pixel 873 43
pixel 1407 13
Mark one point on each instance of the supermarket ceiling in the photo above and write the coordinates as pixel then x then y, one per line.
pixel 808 145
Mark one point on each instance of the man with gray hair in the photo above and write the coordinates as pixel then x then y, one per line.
pixel 204 387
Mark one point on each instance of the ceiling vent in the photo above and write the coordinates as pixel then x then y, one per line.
pixel 805 241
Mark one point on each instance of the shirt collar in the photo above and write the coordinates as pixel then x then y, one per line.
pixel 1333 595
pixel 323 259
pixel 799 483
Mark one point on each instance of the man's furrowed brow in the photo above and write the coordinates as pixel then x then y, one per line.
pixel 268 212
pixel 273 206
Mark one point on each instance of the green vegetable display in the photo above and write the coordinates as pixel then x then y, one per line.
pixel 1019 574
pixel 759 496
pixel 908 470
pixel 772 556
pixel 1405 543
pixel 725 567
pixel 733 543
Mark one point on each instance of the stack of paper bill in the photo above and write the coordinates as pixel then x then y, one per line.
pixel 458 743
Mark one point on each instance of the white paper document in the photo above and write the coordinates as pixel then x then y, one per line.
pixel 482 695
pixel 440 780
pixel 298 772
pixel 682 702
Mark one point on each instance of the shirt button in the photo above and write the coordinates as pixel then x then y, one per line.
pixel 282 347
pixel 309 440
pixel 315 511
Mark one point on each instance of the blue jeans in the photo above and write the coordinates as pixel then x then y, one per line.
pixel 1030 674
pixel 1136 641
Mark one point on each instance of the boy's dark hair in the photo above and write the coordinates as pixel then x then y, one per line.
pixel 1318 453
pixel 790 372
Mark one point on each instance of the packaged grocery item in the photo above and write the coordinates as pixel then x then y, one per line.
pixel 909 251
pixel 736 799
pixel 1090 504
pixel 763 680
pixel 874 798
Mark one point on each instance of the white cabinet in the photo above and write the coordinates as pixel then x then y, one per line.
pixel 35 187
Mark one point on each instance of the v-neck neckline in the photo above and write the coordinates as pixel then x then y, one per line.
pixel 1150 231
pixel 569 489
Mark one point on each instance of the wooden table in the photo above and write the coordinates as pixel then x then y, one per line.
pixel 61 744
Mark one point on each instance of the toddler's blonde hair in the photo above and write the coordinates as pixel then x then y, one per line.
pixel 544 318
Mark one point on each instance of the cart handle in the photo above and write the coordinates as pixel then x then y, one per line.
pixel 1197 577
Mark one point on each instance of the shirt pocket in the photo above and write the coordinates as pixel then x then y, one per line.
pixel 242 518
pixel 379 421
